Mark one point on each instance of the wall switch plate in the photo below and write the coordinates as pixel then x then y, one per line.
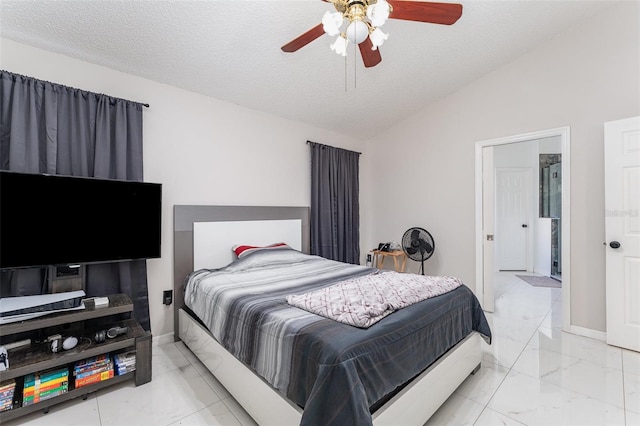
pixel 167 297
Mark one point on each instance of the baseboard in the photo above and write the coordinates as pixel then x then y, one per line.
pixel 587 332
pixel 162 339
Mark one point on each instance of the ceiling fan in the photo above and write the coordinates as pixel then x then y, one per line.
pixel 364 18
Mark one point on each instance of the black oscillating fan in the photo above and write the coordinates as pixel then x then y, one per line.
pixel 418 245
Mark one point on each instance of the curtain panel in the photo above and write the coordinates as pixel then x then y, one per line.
pixel 51 128
pixel 335 205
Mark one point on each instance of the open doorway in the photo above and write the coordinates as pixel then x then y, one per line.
pixel 522 211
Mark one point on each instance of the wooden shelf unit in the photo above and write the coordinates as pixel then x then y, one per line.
pixel 35 358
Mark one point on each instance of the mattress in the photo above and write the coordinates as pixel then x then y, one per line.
pixel 335 372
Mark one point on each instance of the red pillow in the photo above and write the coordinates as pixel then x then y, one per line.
pixel 243 250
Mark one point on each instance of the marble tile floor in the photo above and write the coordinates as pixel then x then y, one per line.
pixel 532 374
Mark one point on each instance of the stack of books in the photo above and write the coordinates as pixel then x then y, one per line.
pixel 124 362
pixel 7 389
pixel 45 385
pixel 93 370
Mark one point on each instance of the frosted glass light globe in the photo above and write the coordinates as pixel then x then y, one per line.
pixel 340 46
pixel 357 31
pixel 331 23
pixel 378 13
pixel 377 38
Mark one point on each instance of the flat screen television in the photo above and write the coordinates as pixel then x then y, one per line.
pixel 55 220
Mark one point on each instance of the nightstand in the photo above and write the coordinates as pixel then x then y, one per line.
pixel 398 256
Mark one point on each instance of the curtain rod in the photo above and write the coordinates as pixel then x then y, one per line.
pixel 335 147
pixel 69 87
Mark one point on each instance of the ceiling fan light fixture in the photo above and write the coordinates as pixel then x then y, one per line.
pixel 377 38
pixel 331 23
pixel 357 32
pixel 378 13
pixel 362 19
pixel 340 46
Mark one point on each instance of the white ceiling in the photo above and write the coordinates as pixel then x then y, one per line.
pixel 230 50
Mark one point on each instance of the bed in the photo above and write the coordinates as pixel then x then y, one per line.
pixel 276 359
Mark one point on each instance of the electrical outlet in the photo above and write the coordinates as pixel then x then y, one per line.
pixel 368 258
pixel 167 297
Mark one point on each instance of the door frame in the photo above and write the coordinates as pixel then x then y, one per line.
pixel 565 141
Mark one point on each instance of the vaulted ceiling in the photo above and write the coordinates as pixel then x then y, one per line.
pixel 230 50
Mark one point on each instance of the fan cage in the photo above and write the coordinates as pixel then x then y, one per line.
pixel 418 245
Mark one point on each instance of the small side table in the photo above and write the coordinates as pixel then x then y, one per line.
pixel 397 255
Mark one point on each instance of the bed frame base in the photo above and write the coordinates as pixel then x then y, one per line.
pixel 412 405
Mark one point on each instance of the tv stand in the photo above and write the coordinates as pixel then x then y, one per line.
pixel 36 357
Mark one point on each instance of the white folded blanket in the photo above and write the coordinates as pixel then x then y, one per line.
pixel 363 301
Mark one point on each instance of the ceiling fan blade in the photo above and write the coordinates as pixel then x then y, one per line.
pixel 434 13
pixel 370 57
pixel 304 39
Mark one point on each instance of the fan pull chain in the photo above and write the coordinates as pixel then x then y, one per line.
pixel 345 73
pixel 355 68
pixel 355 64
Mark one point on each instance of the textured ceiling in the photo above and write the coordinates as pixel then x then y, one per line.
pixel 230 50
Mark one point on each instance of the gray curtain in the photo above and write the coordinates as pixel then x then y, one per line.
pixel 335 206
pixel 50 128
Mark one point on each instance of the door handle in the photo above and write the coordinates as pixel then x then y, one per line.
pixel 524 225
pixel 614 244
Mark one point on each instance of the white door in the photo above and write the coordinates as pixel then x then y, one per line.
pixel 622 229
pixel 513 189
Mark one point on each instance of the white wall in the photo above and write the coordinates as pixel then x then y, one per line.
pixel 203 150
pixel 584 77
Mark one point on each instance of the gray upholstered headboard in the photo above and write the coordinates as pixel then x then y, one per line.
pixel 184 218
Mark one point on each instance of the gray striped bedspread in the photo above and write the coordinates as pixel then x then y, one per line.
pixel 336 372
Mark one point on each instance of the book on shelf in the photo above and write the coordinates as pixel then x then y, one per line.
pixel 30 400
pixel 124 357
pixel 8 385
pixel 45 394
pixel 7 391
pixel 31 390
pixel 128 365
pixel 94 378
pixel 125 370
pixel 6 394
pixel 125 362
pixel 44 385
pixel 44 376
pixel 92 362
pixel 97 369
